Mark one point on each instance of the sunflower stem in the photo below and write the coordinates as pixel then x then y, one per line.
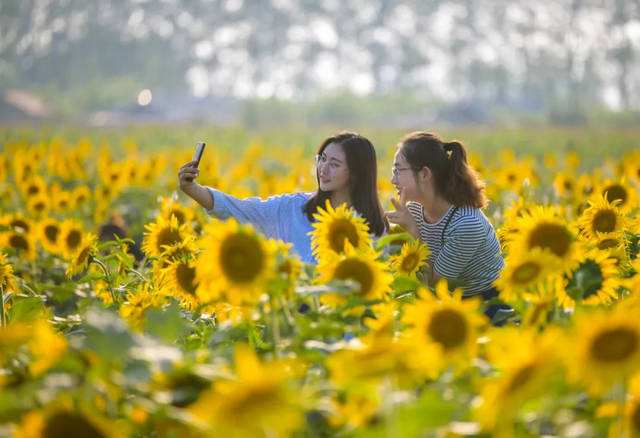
pixel 623 400
pixel 287 312
pixel 275 328
pixel 316 303
pixel 3 316
pixel 140 276
pixel 107 276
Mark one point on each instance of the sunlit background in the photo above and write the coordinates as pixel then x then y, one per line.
pixel 401 63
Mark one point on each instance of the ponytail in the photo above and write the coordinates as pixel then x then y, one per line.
pixel 454 179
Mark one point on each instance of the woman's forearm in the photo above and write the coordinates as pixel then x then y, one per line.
pixel 199 194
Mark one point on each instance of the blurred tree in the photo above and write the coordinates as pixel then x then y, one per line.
pixel 563 54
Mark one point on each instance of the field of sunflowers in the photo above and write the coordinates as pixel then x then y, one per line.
pixel 127 311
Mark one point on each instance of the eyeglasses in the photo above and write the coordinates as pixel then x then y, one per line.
pixel 396 170
pixel 320 158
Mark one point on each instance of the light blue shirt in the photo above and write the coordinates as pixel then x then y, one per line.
pixel 277 217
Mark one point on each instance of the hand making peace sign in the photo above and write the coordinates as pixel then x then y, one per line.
pixel 402 216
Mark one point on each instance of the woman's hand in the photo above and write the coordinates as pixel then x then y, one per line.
pixel 187 175
pixel 403 217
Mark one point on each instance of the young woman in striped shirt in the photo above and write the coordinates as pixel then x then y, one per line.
pixel 440 203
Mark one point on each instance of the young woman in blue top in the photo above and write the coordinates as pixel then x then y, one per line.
pixel 346 172
pixel 440 203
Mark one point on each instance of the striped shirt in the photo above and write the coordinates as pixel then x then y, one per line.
pixel 470 256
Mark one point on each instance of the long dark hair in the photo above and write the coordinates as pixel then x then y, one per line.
pixel 454 179
pixel 363 181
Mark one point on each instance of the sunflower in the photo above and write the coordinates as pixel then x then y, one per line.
pixel 38 205
pixel 524 361
pixel 619 191
pixel 104 193
pixel 238 263
pixel 565 185
pixel 3 168
pixel 260 401
pixel 602 219
pixel 413 257
pixel 334 227
pixel 17 222
pixel 444 323
pixel 287 267
pixel 49 232
pixel 101 291
pixel 594 281
pixel 384 358
pixel 23 168
pixel 180 277
pixel 528 274
pixel 34 186
pixel 169 208
pixel 538 312
pixel 7 279
pixel 22 243
pixel 356 408
pixel 181 385
pixel 384 323
pixel 544 228
pixel 226 313
pixel 632 407
pixel 63 201
pixel 515 175
pixel 631 164
pixel 512 217
pixel 63 421
pixel 80 195
pixel 138 302
pixel 368 274
pixel 82 257
pixel 47 347
pixel 71 235
pixel 163 234
pixel 603 348
pixel 185 249
pixel 14 336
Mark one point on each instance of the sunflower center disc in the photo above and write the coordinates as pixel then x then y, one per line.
pixel 604 221
pixel 340 230
pixel 615 345
pixel 65 425
pixel 526 272
pixel 186 276
pixel 551 236
pixel 242 258
pixel 358 271
pixel 616 193
pixel 448 328
pixel 521 377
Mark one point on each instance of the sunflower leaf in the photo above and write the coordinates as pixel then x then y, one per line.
pixel 389 238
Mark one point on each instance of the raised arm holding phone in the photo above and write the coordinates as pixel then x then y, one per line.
pixel 188 173
pixel 345 172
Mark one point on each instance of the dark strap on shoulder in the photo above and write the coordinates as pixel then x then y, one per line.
pixel 446 224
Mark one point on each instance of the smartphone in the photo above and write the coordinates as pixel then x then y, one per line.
pixel 197 155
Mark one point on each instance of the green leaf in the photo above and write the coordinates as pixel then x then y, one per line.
pixel 107 335
pixel 402 284
pixel 394 237
pixel 166 324
pixel 26 309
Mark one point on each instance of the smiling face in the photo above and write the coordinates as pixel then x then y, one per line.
pixel 404 179
pixel 333 173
